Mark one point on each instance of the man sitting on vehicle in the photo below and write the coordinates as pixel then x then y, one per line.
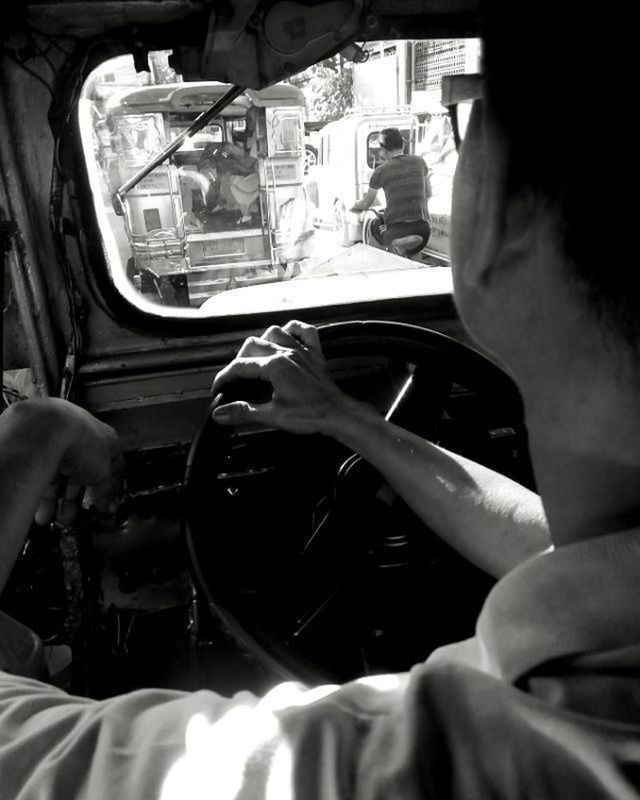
pixel 405 181
pixel 238 171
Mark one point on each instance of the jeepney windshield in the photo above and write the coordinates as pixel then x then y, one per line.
pixel 245 213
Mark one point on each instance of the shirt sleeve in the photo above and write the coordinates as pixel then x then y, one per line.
pixel 443 730
pixel 293 743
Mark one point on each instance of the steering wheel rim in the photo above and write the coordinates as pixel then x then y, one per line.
pixel 211 461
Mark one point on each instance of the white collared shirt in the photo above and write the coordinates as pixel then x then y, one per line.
pixel 544 702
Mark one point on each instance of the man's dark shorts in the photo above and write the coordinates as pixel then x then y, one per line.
pixel 387 233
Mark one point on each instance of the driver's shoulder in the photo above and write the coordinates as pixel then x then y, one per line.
pixel 468 714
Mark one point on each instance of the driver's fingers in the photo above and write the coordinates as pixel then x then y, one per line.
pixel 70 504
pixel 307 334
pixel 280 336
pixel 241 368
pixel 240 412
pixel 260 346
pixel 46 510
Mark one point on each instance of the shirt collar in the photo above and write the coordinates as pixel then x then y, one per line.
pixel 580 598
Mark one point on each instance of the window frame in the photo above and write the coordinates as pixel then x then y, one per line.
pixel 137 319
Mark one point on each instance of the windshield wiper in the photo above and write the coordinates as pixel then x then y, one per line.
pixel 197 124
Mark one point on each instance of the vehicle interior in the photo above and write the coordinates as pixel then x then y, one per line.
pixel 238 557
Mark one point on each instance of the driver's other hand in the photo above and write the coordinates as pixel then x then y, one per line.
pixel 304 397
pixel 90 467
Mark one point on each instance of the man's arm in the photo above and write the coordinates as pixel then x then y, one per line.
pixel 490 519
pixel 41 443
pixel 365 202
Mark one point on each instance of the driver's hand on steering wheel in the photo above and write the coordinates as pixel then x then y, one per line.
pixel 305 398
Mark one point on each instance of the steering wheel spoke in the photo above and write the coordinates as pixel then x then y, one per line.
pixel 420 403
pixel 312 612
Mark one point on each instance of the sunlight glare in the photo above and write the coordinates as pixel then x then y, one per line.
pixel 383 683
pixel 216 754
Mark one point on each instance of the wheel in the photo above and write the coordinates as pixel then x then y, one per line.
pixel 310 157
pixel 313 567
pixel 132 271
pixel 340 226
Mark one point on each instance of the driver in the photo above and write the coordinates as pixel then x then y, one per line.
pixel 544 701
pixel 405 181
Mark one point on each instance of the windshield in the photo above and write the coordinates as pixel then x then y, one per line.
pixel 253 213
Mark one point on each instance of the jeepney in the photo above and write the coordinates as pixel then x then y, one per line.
pixel 228 209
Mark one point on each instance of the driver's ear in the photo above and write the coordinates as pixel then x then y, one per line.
pixel 481 200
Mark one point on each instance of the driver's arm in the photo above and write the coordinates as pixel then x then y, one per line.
pixel 493 521
pixel 365 202
pixel 43 442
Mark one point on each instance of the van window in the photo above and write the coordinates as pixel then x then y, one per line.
pixel 235 222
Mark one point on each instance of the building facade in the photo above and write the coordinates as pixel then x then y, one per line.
pixel 409 73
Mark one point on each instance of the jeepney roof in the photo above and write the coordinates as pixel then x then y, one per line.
pixel 279 94
pixel 197 97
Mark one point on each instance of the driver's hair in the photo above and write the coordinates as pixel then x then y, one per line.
pixel 391 139
pixel 560 82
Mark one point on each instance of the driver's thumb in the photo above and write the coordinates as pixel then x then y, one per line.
pixel 239 412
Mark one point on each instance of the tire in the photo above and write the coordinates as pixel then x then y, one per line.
pixel 132 270
pixel 310 157
pixel 340 226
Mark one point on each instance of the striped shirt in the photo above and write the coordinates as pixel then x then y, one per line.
pixel 405 182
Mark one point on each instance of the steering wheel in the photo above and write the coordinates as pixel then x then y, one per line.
pixel 311 562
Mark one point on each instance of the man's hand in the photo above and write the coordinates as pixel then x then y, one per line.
pixel 305 399
pixel 92 461
pixel 50 450
pixel 77 451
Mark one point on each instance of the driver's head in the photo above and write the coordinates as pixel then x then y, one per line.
pixel 391 141
pixel 239 138
pixel 542 235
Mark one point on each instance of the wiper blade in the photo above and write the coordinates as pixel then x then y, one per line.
pixel 197 124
